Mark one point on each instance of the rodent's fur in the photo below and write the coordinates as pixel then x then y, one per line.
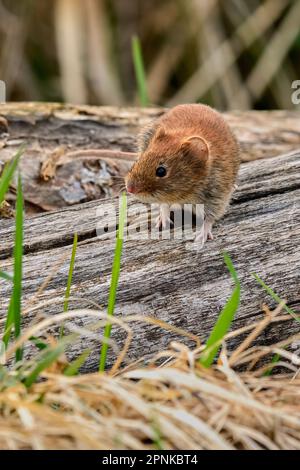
pixel 200 154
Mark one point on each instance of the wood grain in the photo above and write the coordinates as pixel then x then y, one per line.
pixel 163 278
pixel 52 129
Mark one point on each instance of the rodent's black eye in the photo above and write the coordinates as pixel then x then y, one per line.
pixel 161 171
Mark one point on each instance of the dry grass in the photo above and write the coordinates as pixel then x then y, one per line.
pixel 172 403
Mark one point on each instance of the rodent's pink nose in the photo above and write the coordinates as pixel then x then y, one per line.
pixel 132 188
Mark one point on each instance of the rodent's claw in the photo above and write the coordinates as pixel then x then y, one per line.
pixel 210 235
pixel 200 239
pixel 158 222
pixel 163 220
pixel 204 234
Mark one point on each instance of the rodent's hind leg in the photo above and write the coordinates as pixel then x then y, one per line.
pixel 204 234
pixel 163 219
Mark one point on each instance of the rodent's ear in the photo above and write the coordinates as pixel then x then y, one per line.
pixel 160 132
pixel 146 135
pixel 197 146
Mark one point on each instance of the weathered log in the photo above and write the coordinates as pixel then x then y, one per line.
pixel 164 279
pixel 55 130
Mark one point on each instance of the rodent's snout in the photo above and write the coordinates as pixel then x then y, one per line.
pixel 132 187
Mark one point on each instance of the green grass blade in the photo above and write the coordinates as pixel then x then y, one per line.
pixel 38 343
pixel 74 367
pixel 70 276
pixel 277 299
pixel 114 279
pixel 275 359
pixel 6 276
pixel 275 296
pixel 8 173
pixel 157 438
pixel 9 322
pixel 49 356
pixel 139 71
pixel 18 253
pixel 224 321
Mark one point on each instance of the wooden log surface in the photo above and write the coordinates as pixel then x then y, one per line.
pixel 53 131
pixel 164 279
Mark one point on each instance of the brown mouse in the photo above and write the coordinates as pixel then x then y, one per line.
pixel 187 156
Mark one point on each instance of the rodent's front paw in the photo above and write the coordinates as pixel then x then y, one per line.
pixel 163 219
pixel 203 235
pixel 163 222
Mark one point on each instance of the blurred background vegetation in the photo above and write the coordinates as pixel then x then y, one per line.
pixel 232 54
